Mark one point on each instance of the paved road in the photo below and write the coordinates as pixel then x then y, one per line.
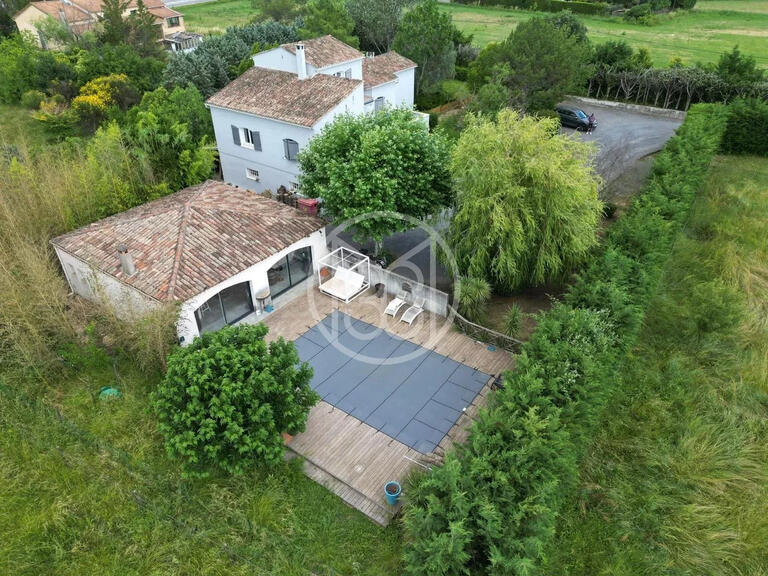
pixel 623 137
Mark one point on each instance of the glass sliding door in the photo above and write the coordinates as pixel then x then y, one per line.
pixel 226 307
pixel 289 271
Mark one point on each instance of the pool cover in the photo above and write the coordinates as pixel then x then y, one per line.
pixel 408 392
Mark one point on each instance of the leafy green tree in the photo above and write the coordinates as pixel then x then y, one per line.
pixel 570 24
pixel 376 22
pixel 278 10
pixel 115 28
pixel 144 73
pixel 323 17
pixel 426 36
pixel 172 132
pixel 144 32
pixel 23 67
pixel 369 163
pixel 101 97
pixel 619 56
pixel 481 71
pixel 527 209
pixel 227 397
pixel 545 64
pixel 737 68
pixel 491 98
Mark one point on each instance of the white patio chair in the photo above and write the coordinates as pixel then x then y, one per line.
pixel 413 311
pixel 396 303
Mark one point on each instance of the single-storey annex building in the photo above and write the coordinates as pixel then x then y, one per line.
pixel 223 252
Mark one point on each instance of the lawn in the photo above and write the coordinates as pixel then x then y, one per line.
pixel 700 35
pixel 215 17
pixel 676 481
pixel 87 488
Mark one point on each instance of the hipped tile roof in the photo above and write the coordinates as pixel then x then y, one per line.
pixel 282 96
pixel 325 51
pixel 381 69
pixel 192 240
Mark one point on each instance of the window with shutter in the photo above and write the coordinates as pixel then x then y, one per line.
pixel 348 73
pixel 291 149
pixel 236 135
pixel 256 140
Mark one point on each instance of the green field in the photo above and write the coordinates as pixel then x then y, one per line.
pixel 676 482
pixel 215 17
pixel 701 35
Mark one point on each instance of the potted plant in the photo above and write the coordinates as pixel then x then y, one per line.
pixel 392 490
pixel 325 273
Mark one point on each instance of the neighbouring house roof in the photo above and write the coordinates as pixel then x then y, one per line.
pixel 381 69
pixel 162 12
pixel 192 240
pixel 325 51
pixel 81 15
pixel 282 96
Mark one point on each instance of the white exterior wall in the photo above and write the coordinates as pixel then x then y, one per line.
pixel 277 59
pixel 256 275
pixel 355 65
pixel 274 169
pixel 84 280
pixel 397 93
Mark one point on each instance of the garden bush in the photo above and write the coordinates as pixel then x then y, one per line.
pixel 491 508
pixel 513 320
pixel 227 398
pixel 747 128
pixel 471 296
pixel 32 99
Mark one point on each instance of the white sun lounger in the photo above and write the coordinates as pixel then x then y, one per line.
pixel 395 304
pixel 413 311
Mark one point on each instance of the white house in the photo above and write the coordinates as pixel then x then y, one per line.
pixel 224 253
pixel 263 118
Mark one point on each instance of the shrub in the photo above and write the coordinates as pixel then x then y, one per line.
pixel 228 396
pixel 471 296
pixel 32 99
pixel 492 508
pixel 747 128
pixel 513 320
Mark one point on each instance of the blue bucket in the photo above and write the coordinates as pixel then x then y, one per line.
pixel 392 491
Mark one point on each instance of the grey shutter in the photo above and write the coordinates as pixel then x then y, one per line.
pixel 256 139
pixel 236 134
pixel 285 148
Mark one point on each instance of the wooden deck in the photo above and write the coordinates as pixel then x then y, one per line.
pixel 349 457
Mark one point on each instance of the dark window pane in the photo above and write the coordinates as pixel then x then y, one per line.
pixel 236 301
pixel 300 264
pixel 210 316
pixel 278 278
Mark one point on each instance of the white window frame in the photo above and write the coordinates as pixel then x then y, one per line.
pixel 245 138
pixel 293 186
pixel 249 173
pixel 348 73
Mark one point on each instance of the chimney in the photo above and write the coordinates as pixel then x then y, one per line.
pixel 301 61
pixel 126 262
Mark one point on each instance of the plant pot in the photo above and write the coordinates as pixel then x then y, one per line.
pixel 379 290
pixel 392 492
pixel 287 437
pixel 325 273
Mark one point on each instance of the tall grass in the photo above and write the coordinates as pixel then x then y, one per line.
pixel 44 194
pixel 677 481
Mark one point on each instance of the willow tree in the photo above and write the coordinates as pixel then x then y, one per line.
pixel 527 209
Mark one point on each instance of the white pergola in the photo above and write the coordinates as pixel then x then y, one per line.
pixel 347 274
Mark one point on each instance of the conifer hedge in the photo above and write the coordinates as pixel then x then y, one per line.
pixel 491 508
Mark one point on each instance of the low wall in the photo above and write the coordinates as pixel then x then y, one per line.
pixel 639 108
pixel 435 301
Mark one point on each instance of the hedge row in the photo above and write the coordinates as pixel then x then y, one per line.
pixel 602 8
pixel 747 129
pixel 491 508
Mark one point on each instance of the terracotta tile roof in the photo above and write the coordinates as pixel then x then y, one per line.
pixel 192 240
pixel 71 13
pixel 282 96
pixel 381 69
pixel 325 51
pixel 163 12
